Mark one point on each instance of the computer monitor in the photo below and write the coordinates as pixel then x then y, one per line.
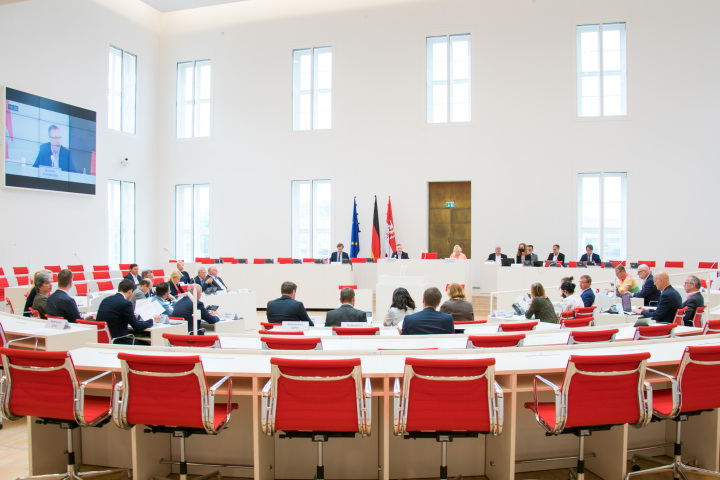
pixel 506 262
pixel 634 265
pixel 582 264
pixel 242 260
pixel 538 263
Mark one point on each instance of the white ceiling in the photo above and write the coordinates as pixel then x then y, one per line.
pixel 174 5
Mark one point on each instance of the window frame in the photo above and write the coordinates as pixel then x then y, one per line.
pixel 602 231
pixel 313 230
pixel 123 256
pixel 193 232
pixel 450 80
pixel 314 90
pixel 126 94
pixel 197 128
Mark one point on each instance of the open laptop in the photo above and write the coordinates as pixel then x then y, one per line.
pixel 626 304
pixel 506 262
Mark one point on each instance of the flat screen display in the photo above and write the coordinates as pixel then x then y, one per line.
pixel 49 145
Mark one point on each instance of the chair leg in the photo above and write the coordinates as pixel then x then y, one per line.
pixel 320 473
pixel 580 473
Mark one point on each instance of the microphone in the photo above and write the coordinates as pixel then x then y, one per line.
pixel 168 252
pixel 78 259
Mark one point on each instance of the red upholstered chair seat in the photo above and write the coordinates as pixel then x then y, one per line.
pixel 356 331
pixel 292 343
pixel 495 341
pixel 517 326
pixel 592 336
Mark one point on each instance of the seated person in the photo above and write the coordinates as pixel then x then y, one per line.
pixel 176 290
pixel 133 273
pixel 184 309
pixel 668 304
pixel 540 305
pixel 457 253
pixel 61 304
pixel 215 281
pixel 184 276
pixel 202 279
pixel 570 300
pixel 520 255
pixel 162 296
pixel 32 293
pixel 457 306
pixel 586 291
pixel 556 256
pixel 399 253
pixel 428 321
pixel 117 311
pixel 589 256
pixel 401 306
pixel 339 256
pixel 43 285
pixel 649 291
pixel 286 308
pixel 693 300
pixel 346 312
pixel 530 255
pixel 497 256
pixel 141 292
pixel 626 284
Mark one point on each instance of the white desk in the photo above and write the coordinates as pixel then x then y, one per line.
pixel 74 337
pixel 241 303
pixel 439 273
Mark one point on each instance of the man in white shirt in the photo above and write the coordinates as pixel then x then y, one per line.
pixel 216 281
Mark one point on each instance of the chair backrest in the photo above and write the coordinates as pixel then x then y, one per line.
pixel 495 341
pixel 432 386
pixel 23 280
pixel 592 336
pixel 429 256
pixel 174 340
pixel 103 332
pixel 584 321
pixel 697 318
pixel 670 264
pixel 279 332
pixel 572 264
pixel 340 287
pixel 615 263
pixel 711 327
pixel 124 266
pixel 105 286
pixel 356 331
pixel 679 315
pixel 358 260
pixel 696 377
pixel 76 268
pixel 78 276
pixel 285 260
pixel 40 384
pixel 653 332
pixel 517 326
pixel 21 271
pixel 316 395
pixel 706 284
pixel 258 261
pixel 100 268
pixel 53 268
pixel 231 260
pixel 123 273
pixel 604 390
pixel 81 289
pixel 291 343
pixel 469 323
pixel 164 391
pixel 269 326
pixel 3 285
pixel 649 263
pixel 2 272
pixel 101 275
pixel 158 272
pixel 447 286
pixel 708 265
pixel 308 260
pixel 34 312
pixel 585 310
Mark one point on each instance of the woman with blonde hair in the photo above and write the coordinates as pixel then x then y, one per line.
pixel 176 290
pixel 457 306
pixel 540 305
pixel 457 253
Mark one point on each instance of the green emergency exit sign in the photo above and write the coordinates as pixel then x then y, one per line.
pixel 449 204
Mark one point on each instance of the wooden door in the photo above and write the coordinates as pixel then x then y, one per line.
pixel 449 225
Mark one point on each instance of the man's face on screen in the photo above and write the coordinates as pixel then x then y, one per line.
pixel 55 140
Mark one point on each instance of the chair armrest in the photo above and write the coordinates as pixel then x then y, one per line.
pixel 265 413
pixel 129 335
pixel 674 389
pixel 210 403
pixel 79 403
pixel 118 415
pixel 647 396
pixel 23 338
pixel 397 409
pixel 367 406
pixel 499 404
pixel 559 417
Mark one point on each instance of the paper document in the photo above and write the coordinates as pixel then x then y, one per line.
pixel 147 309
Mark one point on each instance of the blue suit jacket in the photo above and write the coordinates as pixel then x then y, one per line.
pixel 43 158
pixel 649 291
pixel 287 309
pixel 669 303
pixel 428 322
pixel 60 304
pixel 183 309
pixel 118 313
pixel 595 258
pixel 334 257
pixel 185 277
pixel 588 297
pixel 692 302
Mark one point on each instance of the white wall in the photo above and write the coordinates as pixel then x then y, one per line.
pixel 521 152
pixel 59 50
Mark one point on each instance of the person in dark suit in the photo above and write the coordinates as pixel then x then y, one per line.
pixel 556 256
pixel 493 257
pixel 532 257
pixel 162 296
pixel 347 311
pixel 216 281
pixel 53 154
pixel 117 311
pixel 428 321
pixel 399 253
pixel 141 292
pixel 649 291
pixel 60 303
pixel 184 309
pixel 133 275
pixel 286 308
pixel 339 256
pixel 589 256
pixel 184 276
pixel 176 290
pixel 587 295
pixel 202 279
pixel 668 304
pixel 693 300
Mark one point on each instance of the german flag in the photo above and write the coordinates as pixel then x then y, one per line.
pixel 375 234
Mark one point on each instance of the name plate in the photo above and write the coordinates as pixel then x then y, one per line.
pixel 49 172
pixel 57 324
pixel 353 324
pixel 295 326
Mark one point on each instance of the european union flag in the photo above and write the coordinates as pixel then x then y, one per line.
pixel 355 237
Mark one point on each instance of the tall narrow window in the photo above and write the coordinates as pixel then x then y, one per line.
pixel 193 99
pixel 312 88
pixel 602 70
pixel 121 222
pixel 602 214
pixel 311 205
pixel 122 85
pixel 448 79
pixel 192 221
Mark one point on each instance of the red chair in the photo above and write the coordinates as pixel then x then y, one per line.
pixel 124 266
pixel 431 390
pixel 3 285
pixel 261 261
pixel 679 315
pixel 469 323
pixel 231 260
pixel 585 312
pixel 495 341
pixel 340 287
pixel 285 261
pixel 21 271
pixel 572 264
pixel 103 332
pixel 23 280
pixel 447 286
pixel 697 318
pixel 578 322
pixel 358 260
pixel 280 332
pixel 101 275
pixel 45 385
pixel 291 343
pixel 157 280
pixel 615 263
pixel 706 284
pixel 649 263
pixel 316 399
pixel 170 395
pixel 2 272
pixel 124 273
pixel 5 343
pixel 174 340
pixel 53 268
pixel 100 268
pixel 429 256
pixel 565 315
pixel 669 264
pixel 708 265
pixel 105 286
pixel 597 392
pixel 711 327
pixel 36 314
pixel 81 289
pixel 76 268
pixel 691 393
pixel 309 260
pixel 269 326
pixel 356 331
pixel 592 336
pixel 654 332
pixel 517 326
pixel 78 276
